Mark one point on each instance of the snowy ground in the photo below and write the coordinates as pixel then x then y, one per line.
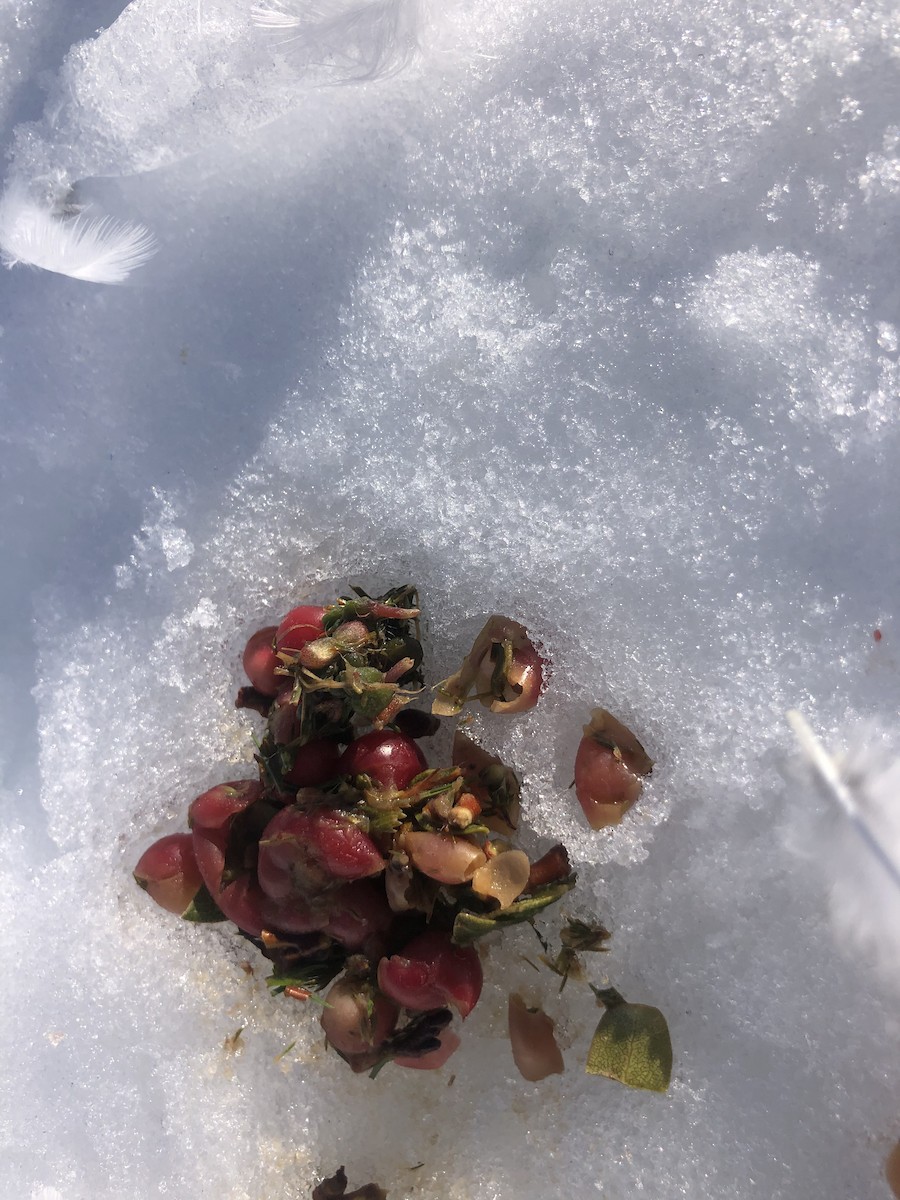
pixel 590 316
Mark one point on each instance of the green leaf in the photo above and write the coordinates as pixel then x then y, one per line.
pixel 632 1045
pixel 203 909
pixel 366 690
pixel 470 926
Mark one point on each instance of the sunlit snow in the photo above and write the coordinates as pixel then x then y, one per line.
pixel 588 315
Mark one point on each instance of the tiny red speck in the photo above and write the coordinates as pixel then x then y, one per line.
pixel 876 634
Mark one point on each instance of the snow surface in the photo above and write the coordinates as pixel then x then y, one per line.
pixel 590 316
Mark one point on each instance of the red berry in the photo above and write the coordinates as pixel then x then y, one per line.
pixel 260 662
pixel 215 809
pixel 391 760
pixel 242 901
pixel 431 972
pixel 301 625
pixel 168 872
pixel 359 916
pixel 301 852
pixel 314 764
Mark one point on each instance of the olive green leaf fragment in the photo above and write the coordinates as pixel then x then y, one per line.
pixel 631 1044
pixel 203 909
pixel 368 693
pixel 470 926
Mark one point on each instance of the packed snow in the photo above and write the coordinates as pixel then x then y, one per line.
pixel 586 313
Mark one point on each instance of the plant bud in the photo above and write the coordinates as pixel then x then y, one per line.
pixel 350 635
pixel 319 653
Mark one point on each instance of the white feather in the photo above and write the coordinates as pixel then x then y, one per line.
pixel 358 39
pixel 98 249
pixel 858 842
pixel 267 16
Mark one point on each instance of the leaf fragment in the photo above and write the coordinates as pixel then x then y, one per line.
pixel 203 909
pixel 470 926
pixel 632 1045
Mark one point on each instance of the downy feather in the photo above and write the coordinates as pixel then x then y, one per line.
pixel 96 249
pixel 357 39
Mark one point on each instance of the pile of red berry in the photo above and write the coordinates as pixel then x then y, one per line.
pixel 349 861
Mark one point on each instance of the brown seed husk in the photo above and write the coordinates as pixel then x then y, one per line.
pixel 531 1035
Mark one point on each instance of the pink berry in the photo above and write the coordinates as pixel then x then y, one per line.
pixel 302 852
pixel 217 807
pixel 168 872
pixel 242 900
pixel 391 760
pixel 431 972
pixel 260 662
pixel 359 916
pixel 301 625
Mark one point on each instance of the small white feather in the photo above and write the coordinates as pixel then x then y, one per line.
pixel 98 249
pixel 357 39
pixel 857 843
pixel 267 16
